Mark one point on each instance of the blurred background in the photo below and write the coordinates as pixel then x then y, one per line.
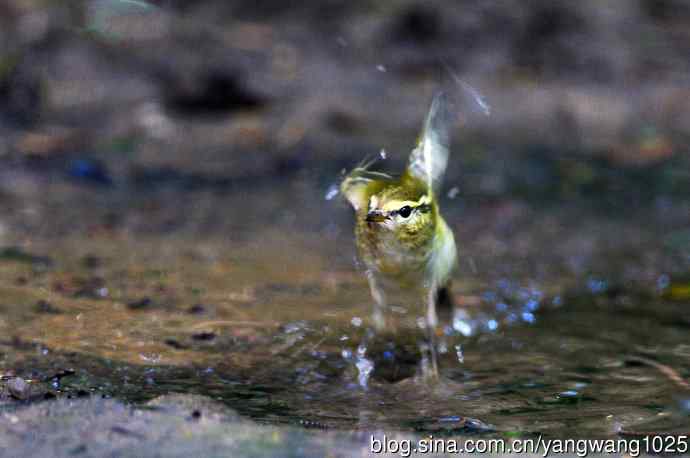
pixel 209 116
pixel 169 168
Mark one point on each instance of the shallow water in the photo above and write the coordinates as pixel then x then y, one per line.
pixel 168 222
pixel 270 325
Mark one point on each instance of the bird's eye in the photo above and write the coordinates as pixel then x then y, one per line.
pixel 405 211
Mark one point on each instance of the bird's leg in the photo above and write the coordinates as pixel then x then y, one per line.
pixel 379 302
pixel 431 323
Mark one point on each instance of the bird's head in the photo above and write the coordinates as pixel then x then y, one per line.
pixel 405 208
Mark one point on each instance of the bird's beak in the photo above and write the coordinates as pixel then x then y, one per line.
pixel 376 216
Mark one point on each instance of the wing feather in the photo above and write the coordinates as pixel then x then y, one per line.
pixel 356 185
pixel 429 159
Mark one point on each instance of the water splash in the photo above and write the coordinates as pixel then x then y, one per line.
pixel 100 13
pixel 568 394
pixel 475 95
pixel 528 317
pixel 684 405
pixel 596 285
pixel 462 323
pixel 364 366
pixel 154 358
pixel 663 282
pixel 332 191
pixel 459 354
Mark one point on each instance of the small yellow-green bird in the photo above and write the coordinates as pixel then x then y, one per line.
pixel 402 238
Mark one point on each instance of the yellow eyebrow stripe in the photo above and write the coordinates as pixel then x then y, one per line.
pixel 398 204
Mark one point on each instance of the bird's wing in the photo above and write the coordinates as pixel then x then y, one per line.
pixel 443 257
pixel 356 184
pixel 429 159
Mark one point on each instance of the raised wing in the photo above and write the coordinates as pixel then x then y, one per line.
pixel 429 159
pixel 358 184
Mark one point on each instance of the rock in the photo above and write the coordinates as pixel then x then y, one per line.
pixel 204 336
pixel 173 425
pixel 49 141
pixel 141 304
pixel 196 309
pixel 16 254
pixel 47 308
pixel 212 93
pixel 18 388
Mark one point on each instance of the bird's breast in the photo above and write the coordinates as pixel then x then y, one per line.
pixel 393 256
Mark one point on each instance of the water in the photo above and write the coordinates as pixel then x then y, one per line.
pixel 171 222
pixel 278 328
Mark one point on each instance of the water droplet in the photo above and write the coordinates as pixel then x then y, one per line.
pixel 524 294
pixel 663 282
pixel 568 394
pixel 528 317
pixel 532 305
pixel 474 94
pixel 293 327
pixel 332 191
pixel 462 324
pixel 364 366
pixel 685 405
pixel 492 325
pixel 596 286
pixel 489 296
pixel 504 285
pixel 356 321
pixel 150 357
pixel 459 354
pixel 381 68
pixel 453 192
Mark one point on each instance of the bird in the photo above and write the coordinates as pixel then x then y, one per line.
pixel 401 236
